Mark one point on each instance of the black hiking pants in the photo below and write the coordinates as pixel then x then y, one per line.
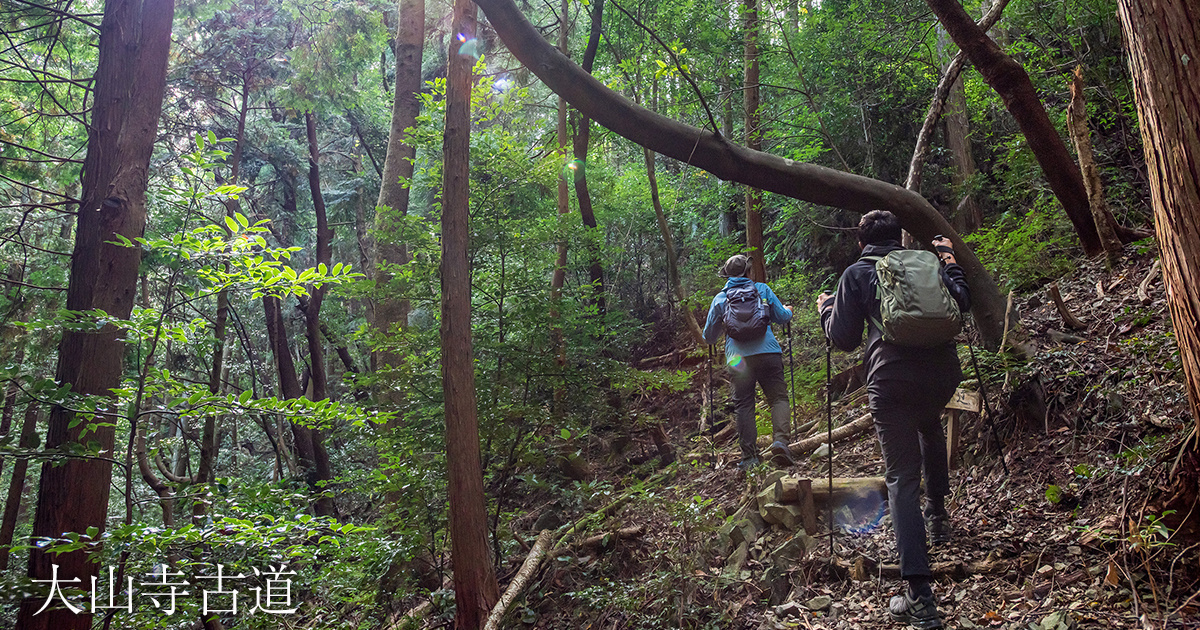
pixel 766 370
pixel 908 420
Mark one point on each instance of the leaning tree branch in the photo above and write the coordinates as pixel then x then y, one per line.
pixel 1011 82
pixel 528 569
pixel 713 153
pixel 938 104
pixel 53 158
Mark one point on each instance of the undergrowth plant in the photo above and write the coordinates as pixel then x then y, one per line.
pixel 1026 248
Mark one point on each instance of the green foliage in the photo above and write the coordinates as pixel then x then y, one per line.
pixel 1025 250
pixel 640 384
pixel 845 84
pixel 1153 534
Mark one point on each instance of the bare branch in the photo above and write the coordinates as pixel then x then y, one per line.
pixel 53 158
pixel 78 17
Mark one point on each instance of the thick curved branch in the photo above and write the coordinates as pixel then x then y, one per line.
pixel 166 472
pixel 713 153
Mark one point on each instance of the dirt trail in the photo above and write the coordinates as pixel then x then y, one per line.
pixel 1088 424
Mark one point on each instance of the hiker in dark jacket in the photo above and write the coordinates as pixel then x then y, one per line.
pixel 754 361
pixel 907 388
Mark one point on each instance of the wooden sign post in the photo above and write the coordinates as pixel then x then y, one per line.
pixel 963 400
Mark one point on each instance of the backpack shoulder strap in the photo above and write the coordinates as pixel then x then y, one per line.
pixel 874 259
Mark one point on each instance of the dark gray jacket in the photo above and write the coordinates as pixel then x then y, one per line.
pixel 855 304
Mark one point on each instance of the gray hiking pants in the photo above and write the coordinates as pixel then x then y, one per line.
pixel 765 370
pixel 908 420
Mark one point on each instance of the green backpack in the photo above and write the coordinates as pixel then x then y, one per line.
pixel 916 307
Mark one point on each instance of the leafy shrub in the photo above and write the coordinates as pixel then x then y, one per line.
pixel 1025 250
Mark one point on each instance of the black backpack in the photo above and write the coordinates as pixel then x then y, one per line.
pixel 746 315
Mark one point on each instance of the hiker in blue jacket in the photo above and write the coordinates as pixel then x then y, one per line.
pixel 757 360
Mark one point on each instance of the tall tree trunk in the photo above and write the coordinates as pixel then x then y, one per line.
pixel 277 335
pixel 1012 83
pixel 11 390
pixel 209 443
pixel 582 136
pixel 475 588
pixel 564 206
pixel 965 214
pixel 390 311
pixel 135 38
pixel 1106 225
pixel 289 387
pixel 729 214
pixel 715 154
pixel 673 279
pixel 754 197
pixel 689 320
pixel 1163 40
pixel 312 314
pixel 16 484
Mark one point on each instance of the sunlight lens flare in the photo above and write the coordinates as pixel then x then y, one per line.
pixel 736 362
pixel 861 514
pixel 469 47
pixel 573 170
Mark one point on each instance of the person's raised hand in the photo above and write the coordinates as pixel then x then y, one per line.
pixel 821 299
pixel 944 249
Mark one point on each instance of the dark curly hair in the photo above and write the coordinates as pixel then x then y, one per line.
pixel 878 226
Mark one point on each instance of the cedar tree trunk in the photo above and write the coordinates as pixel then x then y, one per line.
pixel 135 38
pixel 754 197
pixel 16 484
pixel 564 206
pixel 475 588
pixel 312 314
pixel 582 137
pixel 1163 39
pixel 390 311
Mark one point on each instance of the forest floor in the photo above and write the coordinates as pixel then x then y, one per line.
pixel 1074 534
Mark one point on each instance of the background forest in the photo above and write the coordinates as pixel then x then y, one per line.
pixel 247 370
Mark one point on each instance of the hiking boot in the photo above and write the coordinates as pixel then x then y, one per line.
pixel 939 528
pixel 748 462
pixel 781 455
pixel 919 612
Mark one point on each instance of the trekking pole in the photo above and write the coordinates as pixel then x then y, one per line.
pixel 829 429
pixel 986 406
pixel 712 421
pixel 787 329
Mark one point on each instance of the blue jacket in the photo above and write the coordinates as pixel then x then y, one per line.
pixel 713 328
